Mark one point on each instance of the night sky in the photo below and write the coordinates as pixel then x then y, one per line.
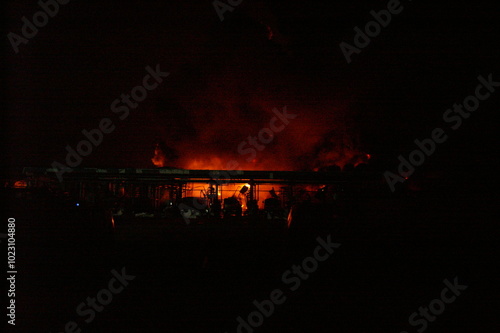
pixel 225 78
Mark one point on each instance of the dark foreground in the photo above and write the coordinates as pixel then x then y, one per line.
pixel 394 255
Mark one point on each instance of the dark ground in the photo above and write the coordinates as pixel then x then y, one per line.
pixel 396 251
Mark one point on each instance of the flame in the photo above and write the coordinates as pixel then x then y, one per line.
pixel 20 184
pixel 208 163
pixel 221 142
pixel 159 160
pixel 313 163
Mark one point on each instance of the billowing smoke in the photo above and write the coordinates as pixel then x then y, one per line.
pixel 220 132
pixel 232 98
pixel 163 154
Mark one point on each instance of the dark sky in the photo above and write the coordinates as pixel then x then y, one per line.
pixel 65 79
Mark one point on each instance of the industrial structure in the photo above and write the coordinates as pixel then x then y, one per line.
pixel 193 192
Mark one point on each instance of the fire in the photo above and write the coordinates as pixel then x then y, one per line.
pixel 261 192
pixel 238 142
pixel 314 163
pixel 208 163
pixel 20 184
pixel 159 160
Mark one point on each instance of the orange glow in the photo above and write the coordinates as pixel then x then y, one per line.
pixel 21 184
pixel 217 163
pixel 209 163
pixel 303 143
pixel 261 192
pixel 159 160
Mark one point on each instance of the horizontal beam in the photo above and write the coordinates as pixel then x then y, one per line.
pixel 172 174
